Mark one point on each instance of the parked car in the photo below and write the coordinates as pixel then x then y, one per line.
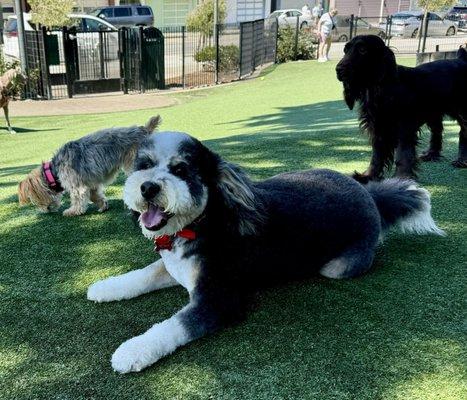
pixel 127 15
pixel 88 27
pixel 289 18
pixel 408 23
pixel 361 27
pixel 458 14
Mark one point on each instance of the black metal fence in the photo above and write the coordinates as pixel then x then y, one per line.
pixel 69 62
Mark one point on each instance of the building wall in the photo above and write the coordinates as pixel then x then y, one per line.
pixel 370 8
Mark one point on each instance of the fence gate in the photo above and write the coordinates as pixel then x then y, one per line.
pixel 91 61
pixel 258 40
pixel 142 59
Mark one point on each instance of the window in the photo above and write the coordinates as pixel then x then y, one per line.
pixel 122 12
pixel 11 25
pixel 143 11
pixel 93 25
pixel 434 17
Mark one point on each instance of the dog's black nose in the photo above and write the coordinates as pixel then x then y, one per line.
pixel 149 190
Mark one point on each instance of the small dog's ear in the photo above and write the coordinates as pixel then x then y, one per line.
pixel 23 192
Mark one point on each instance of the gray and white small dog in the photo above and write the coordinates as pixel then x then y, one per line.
pixel 83 168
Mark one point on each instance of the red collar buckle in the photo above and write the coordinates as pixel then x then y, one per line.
pixel 165 242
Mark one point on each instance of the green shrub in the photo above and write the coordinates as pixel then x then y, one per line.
pixel 306 49
pixel 229 57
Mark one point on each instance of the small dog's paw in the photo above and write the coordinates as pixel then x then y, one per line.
pixel 133 355
pixel 102 291
pixel 459 163
pixel 70 212
pixel 429 155
pixel 12 131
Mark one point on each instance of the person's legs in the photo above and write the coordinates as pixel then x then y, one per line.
pixel 328 47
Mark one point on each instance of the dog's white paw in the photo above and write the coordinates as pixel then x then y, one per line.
pixel 102 291
pixel 103 206
pixel 133 355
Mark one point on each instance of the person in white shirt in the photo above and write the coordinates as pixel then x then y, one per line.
pixel 325 26
pixel 306 10
pixel 317 12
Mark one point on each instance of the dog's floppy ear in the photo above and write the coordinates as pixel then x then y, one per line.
pixel 23 192
pixel 389 65
pixel 350 96
pixel 235 186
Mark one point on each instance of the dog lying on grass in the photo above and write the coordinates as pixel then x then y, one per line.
pixel 222 236
pixel 83 168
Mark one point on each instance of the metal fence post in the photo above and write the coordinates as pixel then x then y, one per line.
pixel 351 27
pixel 183 56
pixel 241 52
pixel 425 32
pixel 44 65
pixel 122 54
pixel 217 54
pixel 101 54
pixel 296 40
pixel 276 38
pixel 142 82
pixel 68 61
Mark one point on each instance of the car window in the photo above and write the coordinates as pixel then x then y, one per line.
pixel 105 13
pixel 76 22
pixel 122 12
pixel 90 24
pixel 434 17
pixel 143 10
pixel 11 25
pixel 362 23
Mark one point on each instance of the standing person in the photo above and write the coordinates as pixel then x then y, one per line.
pixel 325 26
pixel 317 12
pixel 306 10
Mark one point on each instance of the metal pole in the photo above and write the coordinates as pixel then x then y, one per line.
pixel 216 37
pixel 183 57
pixel 21 35
pixel 425 31
pixel 295 51
pixel 351 26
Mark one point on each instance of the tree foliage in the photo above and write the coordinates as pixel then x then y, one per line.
pixel 435 5
pixel 51 12
pixel 201 18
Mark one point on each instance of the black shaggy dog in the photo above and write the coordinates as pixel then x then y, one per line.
pixel 222 236
pixel 396 101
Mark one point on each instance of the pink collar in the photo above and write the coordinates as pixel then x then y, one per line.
pixel 49 177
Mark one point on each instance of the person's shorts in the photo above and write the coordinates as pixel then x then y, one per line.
pixel 325 36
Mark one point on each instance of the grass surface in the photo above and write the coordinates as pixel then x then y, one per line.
pixel 396 333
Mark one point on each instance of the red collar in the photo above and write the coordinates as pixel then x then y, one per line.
pixel 52 182
pixel 165 242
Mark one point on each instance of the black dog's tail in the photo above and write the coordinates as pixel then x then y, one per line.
pixel 462 54
pixel 153 124
pixel 403 204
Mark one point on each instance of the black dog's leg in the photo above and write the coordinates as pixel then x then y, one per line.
pixel 461 161
pixel 406 155
pixel 436 141
pixel 383 153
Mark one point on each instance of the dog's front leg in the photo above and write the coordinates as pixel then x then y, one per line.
pixel 7 117
pixel 131 284
pixel 382 155
pixel 192 322
pixel 79 197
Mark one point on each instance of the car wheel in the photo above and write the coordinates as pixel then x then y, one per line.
pixel 415 33
pixel 343 38
pixel 451 31
pixel 304 24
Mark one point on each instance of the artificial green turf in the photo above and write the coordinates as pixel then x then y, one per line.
pixel 396 333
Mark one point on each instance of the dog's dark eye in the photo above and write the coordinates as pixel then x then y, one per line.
pixel 180 170
pixel 362 50
pixel 144 163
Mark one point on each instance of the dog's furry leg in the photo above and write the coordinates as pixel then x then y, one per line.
pixel 433 153
pixel 132 284
pixel 98 198
pixel 461 161
pixel 79 201
pixel 7 117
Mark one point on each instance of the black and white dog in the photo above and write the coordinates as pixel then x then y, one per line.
pixel 222 236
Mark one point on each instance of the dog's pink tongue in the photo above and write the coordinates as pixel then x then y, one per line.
pixel 153 217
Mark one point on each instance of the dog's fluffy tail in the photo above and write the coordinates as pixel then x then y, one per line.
pixel 403 204
pixel 153 123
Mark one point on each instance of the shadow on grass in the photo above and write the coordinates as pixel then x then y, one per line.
pixel 27 130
